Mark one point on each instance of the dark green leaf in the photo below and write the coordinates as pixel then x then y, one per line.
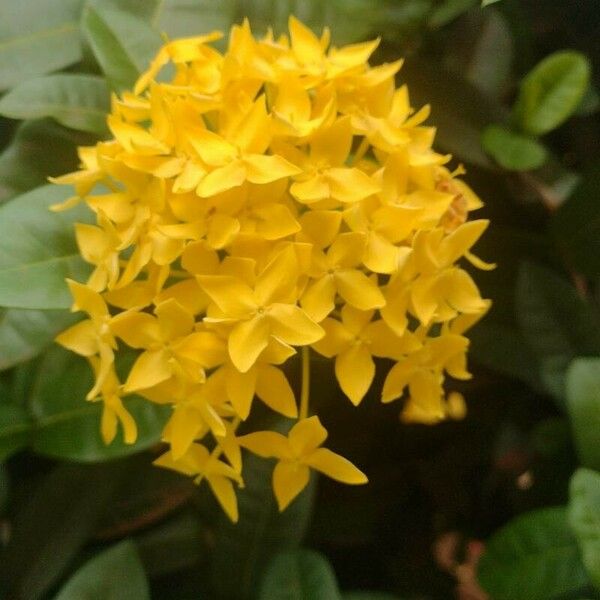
pixel 459 111
pixel 584 518
pixel 551 437
pixel 491 58
pixel 38 250
pixel 121 40
pixel 15 428
pixel 57 519
pixel 534 557
pixel 512 150
pixel 449 10
pixel 175 545
pixel 551 92
pixel 39 149
pixel 576 225
pixel 25 333
pixel 583 402
pixel 77 101
pixel 260 532
pixel 502 349
pixel 299 575
pixel 368 596
pixel 37 37
pixel 115 574
pixel 68 427
pixel 556 323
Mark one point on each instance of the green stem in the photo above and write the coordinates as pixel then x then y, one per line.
pixel 304 394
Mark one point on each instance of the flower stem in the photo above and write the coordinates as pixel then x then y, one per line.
pixel 304 394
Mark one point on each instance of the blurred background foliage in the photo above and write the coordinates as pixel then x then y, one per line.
pixel 504 504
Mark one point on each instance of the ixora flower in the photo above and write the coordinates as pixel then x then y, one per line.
pixel 283 195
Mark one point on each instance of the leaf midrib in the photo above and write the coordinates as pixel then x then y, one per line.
pixel 22 266
pixel 64 28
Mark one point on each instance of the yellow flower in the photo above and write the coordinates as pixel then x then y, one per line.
pixel 198 462
pixel 297 453
pixel 277 196
pixel 260 311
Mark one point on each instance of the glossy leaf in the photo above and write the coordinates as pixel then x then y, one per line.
pixel 576 225
pixel 15 428
pixel 39 149
pixel 77 101
pixel 68 427
pixel 37 37
pixel 459 111
pixel 504 350
pixel 583 402
pixel 38 250
pixel 116 573
pixel 556 323
pixel 584 518
pixel 122 41
pixel 260 532
pixel 533 557
pixel 299 575
pixel 449 10
pixel 182 18
pixel 511 150
pixel 26 333
pixel 551 92
pixel 54 522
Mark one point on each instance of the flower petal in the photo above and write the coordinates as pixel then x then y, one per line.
pixel 358 290
pixel 273 388
pixel 266 444
pixel 247 340
pixel 223 490
pixel 293 326
pixel 289 479
pixel 150 368
pixel 355 370
pixel 335 466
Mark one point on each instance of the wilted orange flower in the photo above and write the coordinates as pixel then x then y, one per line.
pixel 281 195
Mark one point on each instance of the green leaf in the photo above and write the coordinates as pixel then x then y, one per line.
pixel 39 149
pixel 115 574
pixel 485 3
pixel 556 323
pixel 551 92
pixel 68 427
pixel 534 557
pixel 260 532
pixel 576 225
pixel 511 150
pixel 583 402
pixel 37 37
pixel 459 111
pixel 77 101
pixel 26 333
pixel 38 250
pixel 490 59
pixel 54 522
pixel 122 41
pixel 360 595
pixel 584 518
pixel 502 348
pixel 15 429
pixel 183 18
pixel 299 575
pixel 449 10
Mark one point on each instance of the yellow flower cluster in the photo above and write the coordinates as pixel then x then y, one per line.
pixel 280 195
